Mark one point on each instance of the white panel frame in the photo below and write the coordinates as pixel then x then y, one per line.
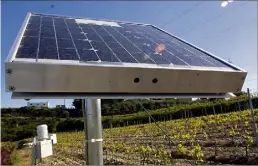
pixel 18 39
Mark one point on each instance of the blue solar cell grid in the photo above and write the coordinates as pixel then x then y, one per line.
pixel 50 37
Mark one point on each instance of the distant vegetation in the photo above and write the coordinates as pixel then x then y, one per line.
pixel 21 123
pixel 109 107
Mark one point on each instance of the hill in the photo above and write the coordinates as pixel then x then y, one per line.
pixel 214 139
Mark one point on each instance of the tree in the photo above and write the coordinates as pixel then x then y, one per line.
pixel 77 103
pixel 240 93
pixel 212 99
pixel 65 114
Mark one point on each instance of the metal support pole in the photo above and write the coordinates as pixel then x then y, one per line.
pixel 253 118
pixel 93 143
pixel 84 112
pixel 34 152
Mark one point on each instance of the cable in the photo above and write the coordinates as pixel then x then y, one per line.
pixel 240 24
pixel 208 20
pixel 163 10
pixel 252 79
pixel 237 25
pixel 182 14
pixel 164 132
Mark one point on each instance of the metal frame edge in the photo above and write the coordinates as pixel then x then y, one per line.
pixel 25 95
pixel 77 17
pixel 18 39
pixel 120 65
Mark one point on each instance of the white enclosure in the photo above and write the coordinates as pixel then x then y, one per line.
pixel 42 132
pixel 38 104
pixel 53 138
pixel 43 149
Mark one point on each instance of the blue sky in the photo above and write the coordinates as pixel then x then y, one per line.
pixel 229 32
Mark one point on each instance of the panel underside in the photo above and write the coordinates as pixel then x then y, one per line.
pixel 33 77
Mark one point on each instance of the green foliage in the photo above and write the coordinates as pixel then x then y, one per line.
pixel 164 156
pixel 232 132
pixel 9 155
pixel 249 140
pixel 66 114
pixel 145 153
pixel 9 146
pixel 77 103
pixel 246 124
pixel 183 150
pixel 144 141
pixel 16 128
pixel 21 143
pixel 196 153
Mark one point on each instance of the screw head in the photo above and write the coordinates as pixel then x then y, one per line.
pixel 136 80
pixel 9 71
pixel 155 80
pixel 12 88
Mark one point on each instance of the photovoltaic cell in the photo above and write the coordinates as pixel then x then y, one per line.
pixel 81 44
pixel 63 38
pixel 68 54
pixel 29 42
pixel 87 55
pixel 48 53
pixel 31 33
pixel 65 43
pixel 48 43
pixel 27 53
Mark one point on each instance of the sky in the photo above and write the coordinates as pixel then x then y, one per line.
pixel 229 32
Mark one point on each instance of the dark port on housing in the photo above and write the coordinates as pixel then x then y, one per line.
pixel 136 80
pixel 155 80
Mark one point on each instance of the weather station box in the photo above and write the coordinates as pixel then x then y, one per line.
pixel 43 149
pixel 53 138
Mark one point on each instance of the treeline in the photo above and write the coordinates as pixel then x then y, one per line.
pixel 108 107
pixel 40 112
pixel 17 128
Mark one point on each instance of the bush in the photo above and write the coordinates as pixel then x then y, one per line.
pixel 8 153
pixel 17 128
pixel 21 143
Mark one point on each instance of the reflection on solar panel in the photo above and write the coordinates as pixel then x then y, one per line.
pixel 51 37
pixel 54 39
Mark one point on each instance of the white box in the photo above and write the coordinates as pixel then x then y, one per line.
pixel 53 138
pixel 43 149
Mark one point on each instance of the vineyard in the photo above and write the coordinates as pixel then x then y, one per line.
pixel 214 139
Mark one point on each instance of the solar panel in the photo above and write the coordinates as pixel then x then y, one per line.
pixel 60 39
pixel 76 39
